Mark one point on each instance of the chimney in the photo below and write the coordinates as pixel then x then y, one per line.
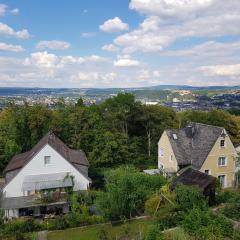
pixel 190 130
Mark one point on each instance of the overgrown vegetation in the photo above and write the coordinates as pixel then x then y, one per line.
pixel 120 138
pixel 126 192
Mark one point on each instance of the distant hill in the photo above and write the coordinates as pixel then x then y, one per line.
pixel 17 91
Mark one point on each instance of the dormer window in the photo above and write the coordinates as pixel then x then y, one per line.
pixel 47 160
pixel 222 143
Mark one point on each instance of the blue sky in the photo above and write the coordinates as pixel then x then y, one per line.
pixel 127 43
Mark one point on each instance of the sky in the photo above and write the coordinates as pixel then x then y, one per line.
pixel 119 43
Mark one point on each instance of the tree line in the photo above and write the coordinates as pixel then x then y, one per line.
pixel 118 131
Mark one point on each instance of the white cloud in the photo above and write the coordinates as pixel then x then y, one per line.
pixel 8 31
pixel 222 70
pixel 95 58
pixel 162 26
pixel 88 34
pixel 110 48
pixel 207 49
pixel 15 11
pixel 54 45
pixel 146 38
pixel 126 61
pixel 170 8
pixel 114 25
pixel 42 59
pixel 3 9
pixel 11 48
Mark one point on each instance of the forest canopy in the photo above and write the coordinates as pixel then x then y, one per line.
pixel 118 131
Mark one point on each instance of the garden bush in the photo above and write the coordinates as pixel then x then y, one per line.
pixel 126 192
pixel 232 210
pixel 204 225
pixel 153 233
pixel 188 197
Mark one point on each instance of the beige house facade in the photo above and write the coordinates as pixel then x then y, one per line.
pixel 206 148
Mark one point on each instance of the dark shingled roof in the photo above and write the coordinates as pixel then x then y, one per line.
pixel 192 177
pixel 73 156
pixel 193 143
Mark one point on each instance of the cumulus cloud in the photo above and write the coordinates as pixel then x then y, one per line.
pixel 222 70
pixel 3 9
pixel 206 49
pixel 110 48
pixel 10 32
pixel 126 61
pixel 114 25
pixel 170 8
pixel 54 45
pixel 167 21
pixel 10 47
pixel 15 11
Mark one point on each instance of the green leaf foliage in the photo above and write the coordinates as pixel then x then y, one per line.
pixel 126 191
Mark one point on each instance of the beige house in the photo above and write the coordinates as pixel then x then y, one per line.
pixel 206 148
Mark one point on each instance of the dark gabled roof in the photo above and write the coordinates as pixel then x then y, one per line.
pixel 73 156
pixel 192 177
pixel 192 144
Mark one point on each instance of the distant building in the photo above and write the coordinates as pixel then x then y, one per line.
pixel 35 181
pixel 207 148
pixel 151 103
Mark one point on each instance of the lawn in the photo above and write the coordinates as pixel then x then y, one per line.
pixel 132 228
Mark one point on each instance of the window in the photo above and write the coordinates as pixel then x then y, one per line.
pixel 47 160
pixel 175 136
pixel 222 161
pixel 171 157
pixel 207 171
pixel 161 152
pixel 222 179
pixel 222 143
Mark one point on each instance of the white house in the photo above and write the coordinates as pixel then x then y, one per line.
pixel 36 181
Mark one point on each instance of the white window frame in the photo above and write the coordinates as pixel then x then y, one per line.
pixel 171 158
pixel 47 160
pixel 220 165
pixel 225 179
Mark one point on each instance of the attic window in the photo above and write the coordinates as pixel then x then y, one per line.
pixel 222 143
pixel 47 160
pixel 174 136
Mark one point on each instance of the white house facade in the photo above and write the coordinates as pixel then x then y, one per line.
pixel 36 181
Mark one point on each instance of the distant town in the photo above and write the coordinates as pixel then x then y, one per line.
pixel 179 98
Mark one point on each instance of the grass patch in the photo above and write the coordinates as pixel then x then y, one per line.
pixel 176 234
pixel 91 232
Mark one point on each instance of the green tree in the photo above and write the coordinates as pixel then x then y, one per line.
pixel 126 192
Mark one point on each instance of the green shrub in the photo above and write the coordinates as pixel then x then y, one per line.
pixel 126 192
pixel 152 203
pixel 18 227
pixel 176 234
pixel 188 197
pixel 153 233
pixel 226 196
pixel 232 210
pixel 204 225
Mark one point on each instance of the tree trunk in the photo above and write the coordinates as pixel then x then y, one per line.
pixel 149 143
